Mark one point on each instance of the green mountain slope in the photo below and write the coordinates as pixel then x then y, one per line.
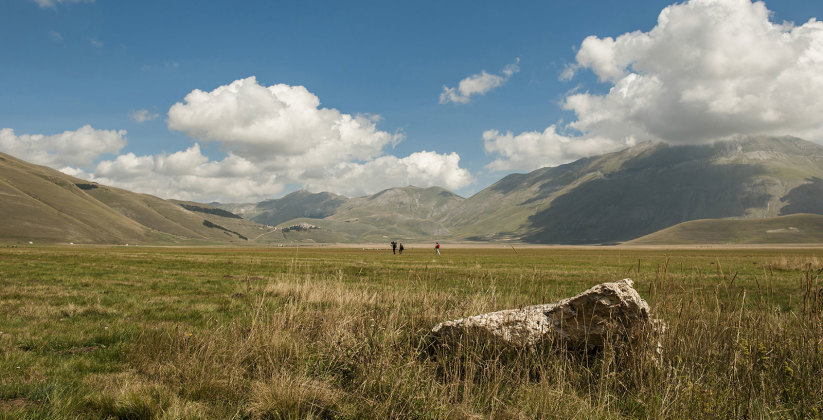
pixel 503 210
pixel 796 228
pixel 43 205
pixel 646 188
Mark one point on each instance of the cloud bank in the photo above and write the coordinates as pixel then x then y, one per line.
pixel 186 175
pixel 419 169
pixel 70 148
pixel 273 136
pixel 708 70
pixel 478 84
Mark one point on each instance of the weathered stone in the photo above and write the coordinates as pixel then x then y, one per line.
pixel 584 321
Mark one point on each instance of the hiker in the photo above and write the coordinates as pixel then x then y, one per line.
pixel 437 248
pixel 393 247
pixel 401 248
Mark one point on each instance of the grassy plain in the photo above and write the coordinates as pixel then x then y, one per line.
pixel 140 333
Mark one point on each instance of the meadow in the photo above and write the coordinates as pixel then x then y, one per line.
pixel 180 333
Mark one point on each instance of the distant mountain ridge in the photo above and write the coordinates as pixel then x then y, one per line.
pixel 614 197
pixel 402 212
pixel 292 206
pixel 611 198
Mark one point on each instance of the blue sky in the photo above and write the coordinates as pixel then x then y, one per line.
pixel 87 87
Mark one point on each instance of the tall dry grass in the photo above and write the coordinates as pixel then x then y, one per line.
pixel 313 347
pixel 317 339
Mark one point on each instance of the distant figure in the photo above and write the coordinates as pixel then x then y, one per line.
pixel 401 248
pixel 437 248
pixel 394 247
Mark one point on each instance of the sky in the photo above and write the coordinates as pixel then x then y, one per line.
pixel 242 101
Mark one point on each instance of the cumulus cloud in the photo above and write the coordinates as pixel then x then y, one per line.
pixel 478 84
pixel 143 115
pixel 51 4
pixel 709 69
pixel 532 149
pixel 283 130
pixel 280 126
pixel 186 175
pixel 190 175
pixel 70 148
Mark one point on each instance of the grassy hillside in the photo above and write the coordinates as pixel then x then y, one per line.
pixel 797 228
pixel 43 205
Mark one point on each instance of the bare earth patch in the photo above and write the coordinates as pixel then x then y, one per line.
pixel 15 404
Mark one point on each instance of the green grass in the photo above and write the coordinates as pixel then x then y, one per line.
pixel 139 332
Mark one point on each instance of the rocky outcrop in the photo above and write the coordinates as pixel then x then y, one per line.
pixel 584 322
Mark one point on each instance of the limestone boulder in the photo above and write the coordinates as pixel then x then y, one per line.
pixel 606 311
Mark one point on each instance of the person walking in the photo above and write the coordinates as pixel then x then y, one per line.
pixel 437 248
pixel 401 248
pixel 393 247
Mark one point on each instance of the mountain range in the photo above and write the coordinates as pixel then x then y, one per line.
pixel 610 198
pixel 750 183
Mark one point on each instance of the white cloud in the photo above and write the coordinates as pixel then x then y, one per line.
pixel 53 3
pixel 143 115
pixel 70 148
pixel 478 84
pixel 708 70
pixel 280 126
pixel 282 130
pixel 96 43
pixel 421 169
pixel 532 150
pixel 186 175
pixel 190 175
pixel 55 36
pixel 274 136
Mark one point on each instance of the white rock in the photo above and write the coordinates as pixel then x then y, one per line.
pixel 580 322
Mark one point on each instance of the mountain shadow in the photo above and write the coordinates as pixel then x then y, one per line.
pixel 807 198
pixel 648 194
